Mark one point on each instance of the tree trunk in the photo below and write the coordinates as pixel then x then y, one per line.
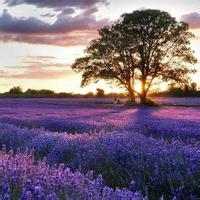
pixel 132 94
pixel 143 97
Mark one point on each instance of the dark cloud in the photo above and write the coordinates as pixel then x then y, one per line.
pixel 193 19
pixel 67 11
pixel 90 11
pixel 65 31
pixel 63 24
pixel 10 24
pixel 57 4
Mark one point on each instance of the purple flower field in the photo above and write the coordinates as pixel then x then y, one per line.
pixel 149 153
pixel 22 178
pixel 93 115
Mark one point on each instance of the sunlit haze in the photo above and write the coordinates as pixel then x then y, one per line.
pixel 39 40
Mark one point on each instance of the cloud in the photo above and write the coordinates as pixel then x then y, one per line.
pixel 32 65
pixel 57 4
pixel 63 24
pixel 10 24
pixel 69 28
pixel 41 62
pixel 3 74
pixel 57 40
pixel 193 19
pixel 65 31
pixel 40 74
pixel 48 15
pixel 67 11
pixel 41 57
pixel 36 73
pixel 198 37
pixel 37 67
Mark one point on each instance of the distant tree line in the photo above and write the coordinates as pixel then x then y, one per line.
pixel 175 90
pixel 17 92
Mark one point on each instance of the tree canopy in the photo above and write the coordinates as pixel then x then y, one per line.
pixel 145 46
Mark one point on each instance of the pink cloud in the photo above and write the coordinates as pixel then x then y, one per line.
pixel 36 74
pixel 37 67
pixel 193 19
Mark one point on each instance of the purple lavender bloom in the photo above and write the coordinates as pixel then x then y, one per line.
pixel 38 181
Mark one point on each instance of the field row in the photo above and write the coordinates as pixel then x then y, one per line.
pixel 167 123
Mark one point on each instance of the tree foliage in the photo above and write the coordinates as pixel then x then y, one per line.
pixel 145 46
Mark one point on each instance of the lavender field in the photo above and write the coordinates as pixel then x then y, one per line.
pixel 93 149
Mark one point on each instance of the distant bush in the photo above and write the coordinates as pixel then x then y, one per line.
pixel 31 92
pixel 89 94
pixel 63 95
pixel 100 92
pixel 15 90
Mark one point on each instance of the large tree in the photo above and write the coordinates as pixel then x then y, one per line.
pixel 145 45
pixel 164 51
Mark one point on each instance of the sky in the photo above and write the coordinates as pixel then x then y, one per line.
pixel 40 39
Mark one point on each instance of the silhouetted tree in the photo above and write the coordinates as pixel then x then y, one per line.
pixel 45 92
pixel 163 47
pixel 31 92
pixel 15 90
pixel 100 92
pixel 193 86
pixel 144 45
pixel 89 94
